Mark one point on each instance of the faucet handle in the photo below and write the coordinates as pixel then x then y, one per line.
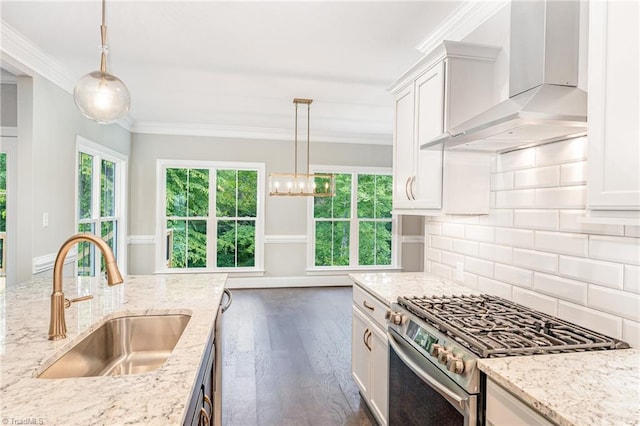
pixel 68 302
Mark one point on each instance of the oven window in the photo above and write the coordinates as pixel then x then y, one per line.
pixel 413 402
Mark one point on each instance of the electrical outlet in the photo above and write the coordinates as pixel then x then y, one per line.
pixel 460 271
pixel 45 220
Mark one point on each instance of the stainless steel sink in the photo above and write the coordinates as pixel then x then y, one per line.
pixel 121 346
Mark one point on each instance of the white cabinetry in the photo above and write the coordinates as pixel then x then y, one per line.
pixel 504 409
pixel 613 185
pixel 449 86
pixel 370 352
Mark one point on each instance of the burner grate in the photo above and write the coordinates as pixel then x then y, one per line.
pixel 491 326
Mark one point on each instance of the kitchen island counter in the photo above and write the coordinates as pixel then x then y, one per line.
pixel 387 286
pixel 586 388
pixel 160 396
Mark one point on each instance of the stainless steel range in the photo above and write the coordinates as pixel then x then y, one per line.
pixel 436 341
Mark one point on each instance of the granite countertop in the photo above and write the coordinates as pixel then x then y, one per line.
pixel 387 286
pixel 586 388
pixel 157 397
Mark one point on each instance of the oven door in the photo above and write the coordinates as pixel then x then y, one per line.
pixel 420 394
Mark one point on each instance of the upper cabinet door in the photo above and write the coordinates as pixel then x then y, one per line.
pixel 403 147
pixel 614 106
pixel 429 124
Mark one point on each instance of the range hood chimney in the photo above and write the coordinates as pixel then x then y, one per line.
pixel 544 103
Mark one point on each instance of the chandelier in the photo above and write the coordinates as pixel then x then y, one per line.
pixel 101 96
pixel 302 184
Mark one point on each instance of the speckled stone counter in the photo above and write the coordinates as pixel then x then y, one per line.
pixel 157 397
pixel 387 286
pixel 589 388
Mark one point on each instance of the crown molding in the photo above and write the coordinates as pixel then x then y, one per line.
pixel 26 54
pixel 261 133
pixel 461 22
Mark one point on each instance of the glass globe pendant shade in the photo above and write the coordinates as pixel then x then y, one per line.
pixel 102 97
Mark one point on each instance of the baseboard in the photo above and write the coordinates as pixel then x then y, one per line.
pixel 280 282
pixel 45 263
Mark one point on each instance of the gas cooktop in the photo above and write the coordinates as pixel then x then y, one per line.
pixel 490 326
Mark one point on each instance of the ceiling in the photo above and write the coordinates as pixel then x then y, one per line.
pixel 216 65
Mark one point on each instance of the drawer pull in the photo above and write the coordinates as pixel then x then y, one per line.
pixel 207 401
pixel 367 335
pixel 368 306
pixel 204 415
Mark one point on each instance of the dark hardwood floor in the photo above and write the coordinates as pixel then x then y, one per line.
pixel 287 359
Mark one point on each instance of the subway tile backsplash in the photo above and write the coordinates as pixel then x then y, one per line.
pixel 534 249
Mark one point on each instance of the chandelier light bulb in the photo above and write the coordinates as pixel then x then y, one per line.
pixel 102 97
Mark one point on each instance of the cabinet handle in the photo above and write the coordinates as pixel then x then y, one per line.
pixel 406 188
pixel 226 306
pixel 365 338
pixel 368 306
pixel 205 415
pixel 411 185
pixel 207 400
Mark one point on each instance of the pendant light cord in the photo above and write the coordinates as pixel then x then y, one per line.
pixel 308 121
pixel 103 38
pixel 295 150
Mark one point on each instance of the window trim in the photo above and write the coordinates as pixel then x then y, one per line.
pixel 122 165
pixel 353 253
pixel 161 201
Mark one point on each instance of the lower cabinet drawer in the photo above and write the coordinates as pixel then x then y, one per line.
pixel 374 308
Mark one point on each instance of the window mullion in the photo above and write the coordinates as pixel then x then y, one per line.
pixel 212 219
pixel 354 226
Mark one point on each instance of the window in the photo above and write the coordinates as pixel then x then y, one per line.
pixel 212 215
pixel 101 179
pixel 355 228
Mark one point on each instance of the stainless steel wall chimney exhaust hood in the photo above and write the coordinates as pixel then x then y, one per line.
pixel 544 104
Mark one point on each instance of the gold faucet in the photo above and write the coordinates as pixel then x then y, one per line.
pixel 57 324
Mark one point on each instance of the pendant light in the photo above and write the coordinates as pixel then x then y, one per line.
pixel 101 96
pixel 302 184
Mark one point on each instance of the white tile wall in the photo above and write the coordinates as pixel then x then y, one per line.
pixel 615 249
pixel 538 261
pixel 632 278
pixel 479 267
pixel 502 181
pixel 573 291
pixel 563 152
pixel 497 288
pixel 534 249
pixel 573 173
pixel 480 233
pixel 555 242
pixel 537 178
pixel 519 198
pixel 570 222
pixel 631 333
pixel 514 237
pixel 536 219
pixel 616 302
pixel 495 253
pixel 513 275
pixel 540 302
pixel 465 247
pixel 568 197
pixel 522 159
pixel 442 243
pixel 598 321
pixel 593 271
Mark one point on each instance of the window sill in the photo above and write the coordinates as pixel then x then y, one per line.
pixel 229 272
pixel 347 270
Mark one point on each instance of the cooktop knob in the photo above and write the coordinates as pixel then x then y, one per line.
pixel 443 356
pixel 435 350
pixel 395 318
pixel 455 365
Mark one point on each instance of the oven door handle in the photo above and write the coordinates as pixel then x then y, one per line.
pixel 455 400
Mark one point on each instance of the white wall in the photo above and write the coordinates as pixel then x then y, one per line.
pixel 48 123
pixel 533 249
pixel 8 105
pixel 283 215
